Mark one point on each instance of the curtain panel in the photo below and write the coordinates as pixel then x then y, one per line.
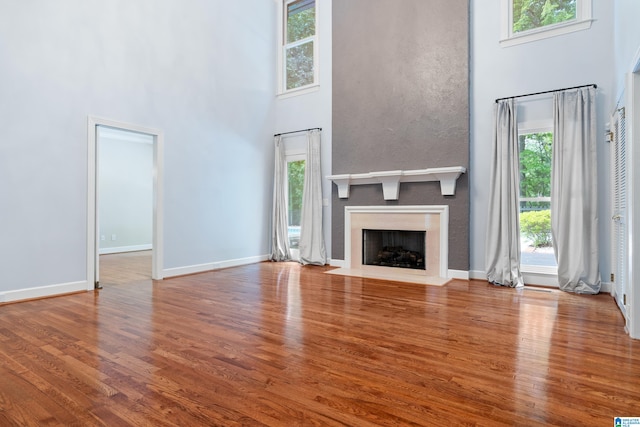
pixel 574 212
pixel 279 230
pixel 312 249
pixel 503 225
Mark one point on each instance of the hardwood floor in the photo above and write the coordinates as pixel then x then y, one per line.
pixel 278 344
pixel 125 268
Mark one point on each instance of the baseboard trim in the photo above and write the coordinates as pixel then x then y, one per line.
pixel 458 274
pixel 477 275
pixel 202 268
pixel 541 279
pixel 336 263
pixel 122 249
pixel 607 287
pixel 42 291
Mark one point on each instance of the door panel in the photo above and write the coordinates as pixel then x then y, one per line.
pixel 619 207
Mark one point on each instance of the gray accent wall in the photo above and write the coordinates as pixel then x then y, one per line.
pixel 401 101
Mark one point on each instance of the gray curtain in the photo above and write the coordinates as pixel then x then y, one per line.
pixel 503 226
pixel 574 216
pixel 279 230
pixel 312 249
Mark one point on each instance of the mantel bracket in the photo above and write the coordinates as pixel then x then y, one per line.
pixel 391 180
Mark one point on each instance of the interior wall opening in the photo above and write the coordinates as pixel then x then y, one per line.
pixel 124 204
pixel 118 238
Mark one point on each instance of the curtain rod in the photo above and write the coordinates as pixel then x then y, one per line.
pixel 595 86
pixel 296 131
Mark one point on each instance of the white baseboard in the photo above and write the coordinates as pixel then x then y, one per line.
pixel 541 279
pixel 121 249
pixel 529 278
pixel 201 268
pixel 336 263
pixel 42 291
pixel 458 274
pixel 607 287
pixel 477 275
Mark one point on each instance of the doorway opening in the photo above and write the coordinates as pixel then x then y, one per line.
pixel 124 204
pixel 125 201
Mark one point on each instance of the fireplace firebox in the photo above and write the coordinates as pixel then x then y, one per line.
pixel 394 248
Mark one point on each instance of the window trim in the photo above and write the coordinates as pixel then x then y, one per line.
pixel 537 126
pixel 282 91
pixel 509 38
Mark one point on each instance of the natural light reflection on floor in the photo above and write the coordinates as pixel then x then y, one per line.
pixel 537 318
pixel 293 325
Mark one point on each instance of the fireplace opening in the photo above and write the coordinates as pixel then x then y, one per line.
pixel 394 248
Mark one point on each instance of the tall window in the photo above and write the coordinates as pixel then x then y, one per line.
pixel 528 20
pixel 299 45
pixel 535 199
pixel 295 185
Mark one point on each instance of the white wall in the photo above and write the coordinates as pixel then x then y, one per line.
pixel 313 109
pixel 201 71
pixel 583 57
pixel 627 40
pixel 125 190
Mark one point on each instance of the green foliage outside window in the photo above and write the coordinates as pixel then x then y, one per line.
pixel 531 14
pixel 535 164
pixel 295 172
pixel 535 182
pixel 301 24
pixel 536 227
pixel 300 66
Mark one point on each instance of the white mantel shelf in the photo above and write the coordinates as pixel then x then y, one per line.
pixel 391 180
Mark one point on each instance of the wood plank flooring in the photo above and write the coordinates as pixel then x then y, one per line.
pixel 278 344
pixel 125 268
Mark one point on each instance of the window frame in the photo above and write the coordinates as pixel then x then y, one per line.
pixel 282 53
pixel 508 38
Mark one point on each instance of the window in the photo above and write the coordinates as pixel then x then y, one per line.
pixel 535 199
pixel 295 185
pixel 528 20
pixel 529 15
pixel 298 56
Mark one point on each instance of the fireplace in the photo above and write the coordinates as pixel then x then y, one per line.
pixel 394 248
pixel 426 234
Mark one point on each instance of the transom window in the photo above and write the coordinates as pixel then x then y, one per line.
pixel 529 20
pixel 298 56
pixel 532 14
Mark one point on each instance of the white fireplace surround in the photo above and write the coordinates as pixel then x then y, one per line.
pixel 434 219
